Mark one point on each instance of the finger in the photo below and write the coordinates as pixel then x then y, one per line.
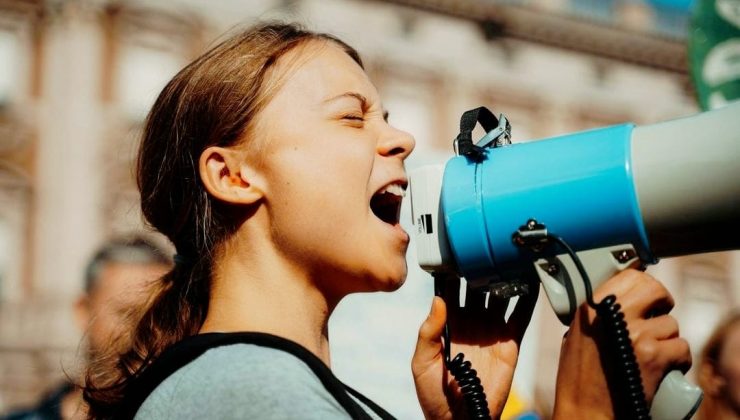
pixel 675 354
pixel 429 343
pixel 618 285
pixel 648 298
pixel 664 327
pixel 522 313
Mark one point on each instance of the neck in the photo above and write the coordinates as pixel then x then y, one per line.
pixel 262 293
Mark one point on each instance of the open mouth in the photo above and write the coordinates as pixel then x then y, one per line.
pixel 386 203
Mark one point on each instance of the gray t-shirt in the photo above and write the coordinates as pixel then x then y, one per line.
pixel 243 381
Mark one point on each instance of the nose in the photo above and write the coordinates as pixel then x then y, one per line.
pixel 396 143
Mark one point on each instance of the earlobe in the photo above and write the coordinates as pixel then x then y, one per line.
pixel 225 176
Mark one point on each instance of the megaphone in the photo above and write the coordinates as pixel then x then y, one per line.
pixel 615 196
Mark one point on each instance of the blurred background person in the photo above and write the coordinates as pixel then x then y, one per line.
pixel 116 279
pixel 719 371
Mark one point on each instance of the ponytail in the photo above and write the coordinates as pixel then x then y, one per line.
pixel 176 309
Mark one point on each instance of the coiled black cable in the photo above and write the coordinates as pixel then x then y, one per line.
pixel 626 364
pixel 470 386
pixel 462 370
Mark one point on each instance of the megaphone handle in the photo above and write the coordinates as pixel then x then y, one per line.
pixel 676 398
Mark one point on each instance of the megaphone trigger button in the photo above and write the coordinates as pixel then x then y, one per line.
pixel 623 256
pixel 553 269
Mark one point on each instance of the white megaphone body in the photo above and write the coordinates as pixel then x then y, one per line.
pixel 615 195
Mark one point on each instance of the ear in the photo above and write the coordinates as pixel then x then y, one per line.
pixel 226 176
pixel 82 312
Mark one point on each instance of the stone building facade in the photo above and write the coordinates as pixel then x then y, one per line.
pixel 78 76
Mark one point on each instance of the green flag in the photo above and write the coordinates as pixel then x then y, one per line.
pixel 714 52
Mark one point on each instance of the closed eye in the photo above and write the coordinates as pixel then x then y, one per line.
pixel 354 120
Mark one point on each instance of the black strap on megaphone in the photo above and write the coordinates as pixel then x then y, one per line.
pixel 464 142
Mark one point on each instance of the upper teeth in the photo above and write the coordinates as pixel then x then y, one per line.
pixel 395 189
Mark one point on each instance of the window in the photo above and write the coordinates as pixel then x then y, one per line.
pixel 142 73
pixel 9 60
pixel 13 209
pixel 143 49
pixel 4 250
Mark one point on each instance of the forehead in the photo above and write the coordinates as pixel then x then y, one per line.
pixel 319 70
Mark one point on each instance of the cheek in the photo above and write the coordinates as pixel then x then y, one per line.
pixel 320 176
pixel 107 323
pixel 325 196
pixel 730 372
pixel 730 360
pixel 320 213
pixel 100 331
pixel 733 374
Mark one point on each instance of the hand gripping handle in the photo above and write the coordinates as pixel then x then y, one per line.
pixel 676 398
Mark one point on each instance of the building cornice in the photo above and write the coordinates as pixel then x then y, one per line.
pixel 569 32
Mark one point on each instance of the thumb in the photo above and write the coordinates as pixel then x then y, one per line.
pixel 429 343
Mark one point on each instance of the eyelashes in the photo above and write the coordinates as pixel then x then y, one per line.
pixel 354 120
pixel 358 117
pixel 354 117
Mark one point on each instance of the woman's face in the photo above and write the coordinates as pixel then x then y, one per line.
pixel 729 366
pixel 333 170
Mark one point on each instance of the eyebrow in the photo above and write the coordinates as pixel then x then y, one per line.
pixel 359 97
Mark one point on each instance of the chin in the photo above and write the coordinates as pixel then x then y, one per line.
pixel 392 281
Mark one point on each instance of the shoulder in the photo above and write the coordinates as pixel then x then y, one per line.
pixel 242 381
